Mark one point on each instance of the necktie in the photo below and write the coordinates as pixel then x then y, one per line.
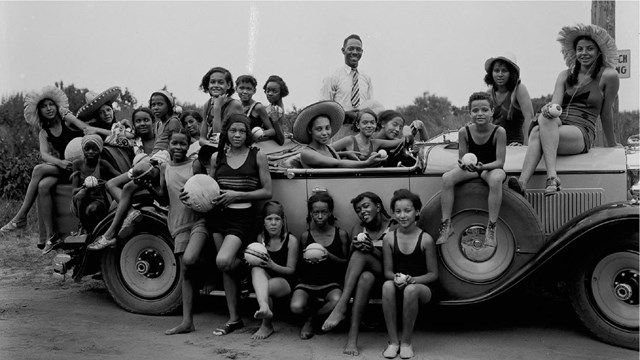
pixel 355 93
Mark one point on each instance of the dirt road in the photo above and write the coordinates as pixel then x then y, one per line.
pixel 44 318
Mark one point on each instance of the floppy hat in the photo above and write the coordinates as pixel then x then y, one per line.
pixel 32 99
pixel 568 35
pixel 507 57
pixel 95 101
pixel 330 109
pixel 168 95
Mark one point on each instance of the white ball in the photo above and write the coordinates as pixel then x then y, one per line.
pixel 383 153
pixel 90 182
pixel 469 159
pixel 555 110
pixel 361 237
pixel 202 190
pixel 255 253
pixel 314 251
pixel 400 279
pixel 256 133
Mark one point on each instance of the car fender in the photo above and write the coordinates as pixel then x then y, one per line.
pixel 575 233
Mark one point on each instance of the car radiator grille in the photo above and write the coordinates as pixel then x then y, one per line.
pixel 556 210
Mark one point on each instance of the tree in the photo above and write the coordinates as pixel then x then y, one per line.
pixel 432 110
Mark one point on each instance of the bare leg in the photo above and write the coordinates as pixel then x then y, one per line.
pixel 330 302
pixel 532 158
pixel 188 260
pixel 414 295
pixel 227 262
pixel 360 301
pixel 358 262
pixel 549 139
pixel 449 181
pixel 260 280
pixel 39 172
pixel 45 200
pixel 121 211
pixel 278 287
pixel 299 306
pixel 389 311
pixel 494 179
pixel 115 185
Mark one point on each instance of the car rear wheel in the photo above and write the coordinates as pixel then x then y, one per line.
pixel 143 274
pixel 605 292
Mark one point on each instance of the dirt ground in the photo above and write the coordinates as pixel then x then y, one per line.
pixel 42 317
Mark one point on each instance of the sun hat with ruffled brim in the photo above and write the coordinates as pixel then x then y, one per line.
pixel 568 35
pixel 507 57
pixel 95 101
pixel 330 109
pixel 32 99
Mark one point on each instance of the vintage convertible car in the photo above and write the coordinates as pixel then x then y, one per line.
pixel 586 236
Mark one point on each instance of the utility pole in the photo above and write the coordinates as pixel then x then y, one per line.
pixel 603 14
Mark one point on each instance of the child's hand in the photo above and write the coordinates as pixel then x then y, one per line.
pixel 225 198
pixel 184 197
pixel 475 168
pixel 219 101
pixel 65 164
pixel 374 159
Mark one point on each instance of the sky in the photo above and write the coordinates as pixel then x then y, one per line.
pixel 409 47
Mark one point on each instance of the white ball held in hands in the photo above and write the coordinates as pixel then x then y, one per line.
pixel 469 159
pixel 383 153
pixel 400 279
pixel 90 182
pixel 255 254
pixel 314 252
pixel 256 133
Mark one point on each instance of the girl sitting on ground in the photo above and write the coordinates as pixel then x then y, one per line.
pixel 410 265
pixel 320 280
pixel 365 265
pixel 273 278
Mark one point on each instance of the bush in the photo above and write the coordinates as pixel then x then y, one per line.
pixel 15 174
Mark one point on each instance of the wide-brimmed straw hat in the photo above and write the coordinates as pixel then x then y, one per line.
pixel 95 101
pixel 568 35
pixel 330 109
pixel 32 99
pixel 506 57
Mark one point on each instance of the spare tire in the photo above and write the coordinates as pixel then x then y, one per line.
pixel 466 267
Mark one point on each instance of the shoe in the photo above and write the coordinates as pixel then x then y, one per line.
pixel 445 232
pixel 101 243
pixel 14 225
pixel 129 224
pixel 228 328
pixel 553 186
pixel 391 351
pixel 514 184
pixel 53 242
pixel 490 235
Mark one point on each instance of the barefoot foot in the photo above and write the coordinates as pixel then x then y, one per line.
pixel 181 329
pixel 333 320
pixel 351 348
pixel 263 314
pixel 306 332
pixel 262 333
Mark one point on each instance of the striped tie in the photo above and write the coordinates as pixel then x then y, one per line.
pixel 355 93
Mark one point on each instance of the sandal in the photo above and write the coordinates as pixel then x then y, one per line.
pixel 228 328
pixel 101 243
pixel 52 242
pixel 14 225
pixel 553 186
pixel 514 184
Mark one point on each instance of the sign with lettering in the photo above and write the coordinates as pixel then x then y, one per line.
pixel 624 64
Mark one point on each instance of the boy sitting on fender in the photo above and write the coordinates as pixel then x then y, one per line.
pixel 488 142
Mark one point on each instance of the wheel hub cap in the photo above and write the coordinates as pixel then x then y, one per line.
pixel 150 264
pixel 473 246
pixel 625 287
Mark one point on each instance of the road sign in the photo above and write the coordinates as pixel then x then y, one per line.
pixel 624 64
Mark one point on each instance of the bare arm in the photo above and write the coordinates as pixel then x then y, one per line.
pixel 526 106
pixel 463 144
pixel 387 256
pixel 261 113
pixel 45 154
pixel 611 86
pixel 317 160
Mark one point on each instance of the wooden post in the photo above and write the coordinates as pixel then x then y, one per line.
pixel 603 14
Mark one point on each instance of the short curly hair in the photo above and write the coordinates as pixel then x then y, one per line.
pixel 284 90
pixel 204 85
pixel 480 95
pixel 404 194
pixel 247 79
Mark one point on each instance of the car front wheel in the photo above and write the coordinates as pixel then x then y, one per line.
pixel 605 292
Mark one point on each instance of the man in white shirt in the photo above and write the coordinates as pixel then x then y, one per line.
pixel 347 85
pixel 339 86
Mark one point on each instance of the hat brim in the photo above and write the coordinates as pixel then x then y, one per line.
pixel 108 96
pixel 330 109
pixel 32 99
pixel 600 36
pixel 489 63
